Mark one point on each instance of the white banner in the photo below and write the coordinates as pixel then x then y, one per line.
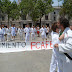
pixel 6 47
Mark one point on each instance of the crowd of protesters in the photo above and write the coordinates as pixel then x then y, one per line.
pixel 10 33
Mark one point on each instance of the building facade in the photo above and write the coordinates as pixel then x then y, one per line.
pixel 46 19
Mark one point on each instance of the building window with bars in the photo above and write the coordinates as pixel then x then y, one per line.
pixel 54 18
pixel 23 17
pixel 46 17
pixel 3 18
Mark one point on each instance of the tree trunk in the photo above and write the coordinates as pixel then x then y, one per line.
pixel 8 20
pixel 40 22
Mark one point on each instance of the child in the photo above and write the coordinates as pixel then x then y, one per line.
pixel 55 54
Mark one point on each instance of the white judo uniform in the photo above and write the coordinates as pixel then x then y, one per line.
pixel 55 55
pixel 13 31
pixel 21 33
pixel 27 31
pixel 8 31
pixel 43 32
pixel 1 35
pixel 18 31
pixel 66 47
pixel 33 31
pixel 4 32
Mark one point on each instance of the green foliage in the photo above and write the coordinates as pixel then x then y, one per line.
pixel 15 12
pixel 67 8
pixel 36 8
pixel 10 8
pixel 6 8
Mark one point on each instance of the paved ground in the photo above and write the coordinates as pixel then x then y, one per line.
pixel 17 39
pixel 35 61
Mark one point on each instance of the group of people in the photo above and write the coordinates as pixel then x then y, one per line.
pixel 62 46
pixel 9 33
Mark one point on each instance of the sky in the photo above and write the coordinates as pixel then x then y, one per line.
pixel 54 4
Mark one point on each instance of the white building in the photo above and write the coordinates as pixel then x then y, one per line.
pixel 46 19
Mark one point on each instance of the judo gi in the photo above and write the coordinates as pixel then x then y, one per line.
pixel 55 55
pixel 13 31
pixel 1 35
pixel 21 33
pixel 43 33
pixel 33 31
pixel 8 31
pixel 27 31
pixel 4 33
pixel 66 47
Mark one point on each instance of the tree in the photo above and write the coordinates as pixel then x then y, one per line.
pixel 66 9
pixel 0 10
pixel 11 9
pixel 6 8
pixel 44 7
pixel 15 12
pixel 36 8
pixel 25 6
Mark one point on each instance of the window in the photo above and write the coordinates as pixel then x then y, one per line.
pixel 46 17
pixel 23 17
pixel 54 18
pixel 0 17
pixel 12 19
pixel 54 12
pixel 3 18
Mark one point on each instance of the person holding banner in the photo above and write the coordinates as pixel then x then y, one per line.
pixel 65 48
pixel 55 55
